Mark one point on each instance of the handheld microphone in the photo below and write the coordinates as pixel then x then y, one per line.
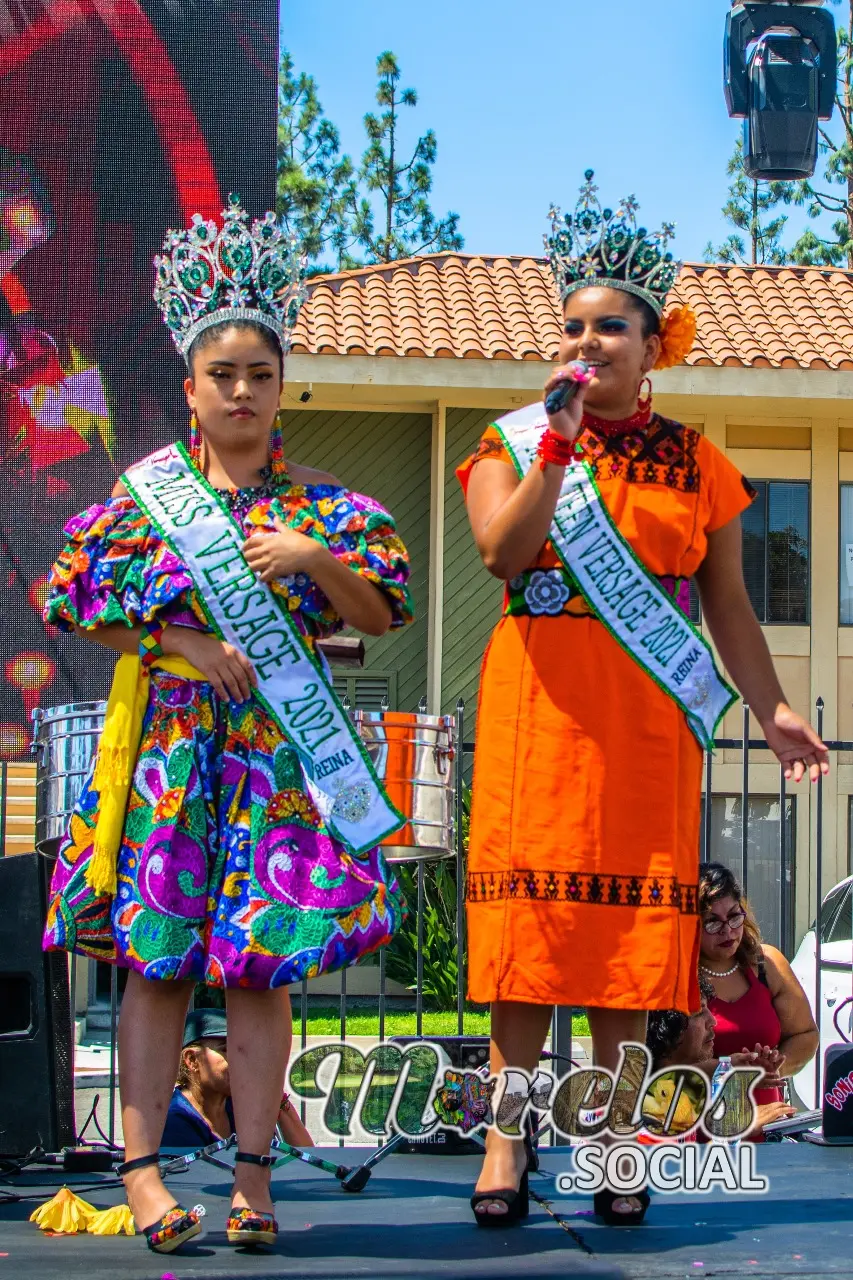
pixel 568 388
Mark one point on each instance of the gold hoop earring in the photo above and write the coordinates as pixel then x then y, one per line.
pixel 644 402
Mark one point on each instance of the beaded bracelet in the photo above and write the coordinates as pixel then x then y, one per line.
pixel 150 646
pixel 555 448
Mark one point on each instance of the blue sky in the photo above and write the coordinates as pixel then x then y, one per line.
pixel 524 97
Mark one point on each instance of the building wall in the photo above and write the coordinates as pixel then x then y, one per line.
pixel 472 597
pixel 386 455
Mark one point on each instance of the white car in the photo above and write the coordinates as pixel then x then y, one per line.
pixel 836 981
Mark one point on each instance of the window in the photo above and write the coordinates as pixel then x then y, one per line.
pixel 845 558
pixel 776 551
pixel 366 693
pixel 837 924
pixel 771 899
pixel 836 918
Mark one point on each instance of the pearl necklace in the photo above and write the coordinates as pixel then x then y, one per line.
pixel 719 973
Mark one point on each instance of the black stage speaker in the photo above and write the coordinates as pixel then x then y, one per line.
pixel 465 1053
pixel 36 1074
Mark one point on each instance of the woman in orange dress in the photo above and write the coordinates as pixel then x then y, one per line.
pixel 584 848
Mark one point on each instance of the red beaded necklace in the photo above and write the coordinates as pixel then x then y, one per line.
pixel 618 427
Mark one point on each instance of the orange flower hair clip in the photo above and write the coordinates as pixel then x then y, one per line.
pixel 677 335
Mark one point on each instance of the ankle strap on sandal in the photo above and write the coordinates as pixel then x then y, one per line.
pixel 247 1157
pixel 141 1162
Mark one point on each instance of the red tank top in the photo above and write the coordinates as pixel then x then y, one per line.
pixel 741 1023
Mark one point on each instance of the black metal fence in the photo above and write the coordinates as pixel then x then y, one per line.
pixel 561 1043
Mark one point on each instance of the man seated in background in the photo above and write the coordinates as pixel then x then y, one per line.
pixel 676 1040
pixel 200 1111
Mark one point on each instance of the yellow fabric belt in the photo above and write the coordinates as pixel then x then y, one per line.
pixel 116 759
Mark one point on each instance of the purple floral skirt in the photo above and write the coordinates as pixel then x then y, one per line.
pixel 226 874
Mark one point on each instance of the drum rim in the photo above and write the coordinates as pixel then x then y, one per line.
pixel 404 717
pixel 68 711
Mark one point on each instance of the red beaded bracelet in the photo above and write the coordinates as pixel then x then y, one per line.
pixel 555 448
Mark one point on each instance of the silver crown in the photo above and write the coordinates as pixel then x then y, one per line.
pixel 596 246
pixel 209 274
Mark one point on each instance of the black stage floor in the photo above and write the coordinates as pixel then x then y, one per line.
pixel 413 1219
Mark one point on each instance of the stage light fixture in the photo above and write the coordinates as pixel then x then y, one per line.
pixel 780 69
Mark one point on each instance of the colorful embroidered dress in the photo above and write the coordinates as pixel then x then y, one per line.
pixel 584 847
pixel 226 873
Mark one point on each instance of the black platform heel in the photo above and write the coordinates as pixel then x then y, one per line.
pixel 247 1227
pixel 517 1202
pixel 603 1201
pixel 177 1226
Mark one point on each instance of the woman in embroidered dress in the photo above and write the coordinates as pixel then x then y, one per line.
pixel 226 873
pixel 584 848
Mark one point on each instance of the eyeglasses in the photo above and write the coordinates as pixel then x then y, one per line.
pixel 716 925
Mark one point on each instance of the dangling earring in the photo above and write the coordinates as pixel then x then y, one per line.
pixel 195 439
pixel 277 463
pixel 644 402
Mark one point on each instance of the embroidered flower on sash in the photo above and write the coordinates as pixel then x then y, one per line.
pixel 546 592
pixel 701 692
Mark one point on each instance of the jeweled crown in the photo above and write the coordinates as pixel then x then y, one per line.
pixel 208 274
pixel 596 246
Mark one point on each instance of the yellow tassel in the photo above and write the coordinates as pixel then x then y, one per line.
pixel 65 1214
pixel 113 1222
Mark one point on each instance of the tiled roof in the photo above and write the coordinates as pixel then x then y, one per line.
pixel 467 307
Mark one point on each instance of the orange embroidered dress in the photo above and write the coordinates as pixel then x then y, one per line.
pixel 584 845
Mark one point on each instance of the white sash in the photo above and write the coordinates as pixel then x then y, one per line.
pixel 246 613
pixel 624 596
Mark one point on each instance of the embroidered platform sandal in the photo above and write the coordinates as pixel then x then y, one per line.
pixel 177 1226
pixel 517 1202
pixel 247 1227
pixel 604 1200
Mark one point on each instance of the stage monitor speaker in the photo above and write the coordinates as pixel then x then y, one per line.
pixel 36 1048
pixel 464 1053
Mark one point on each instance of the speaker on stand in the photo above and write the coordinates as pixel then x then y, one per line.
pixel 36 1036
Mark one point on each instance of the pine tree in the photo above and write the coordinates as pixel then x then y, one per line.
pixel 394 219
pixel 315 182
pixel 748 203
pixel 836 248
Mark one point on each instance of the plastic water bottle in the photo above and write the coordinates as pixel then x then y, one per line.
pixel 724 1066
pixel 737 1100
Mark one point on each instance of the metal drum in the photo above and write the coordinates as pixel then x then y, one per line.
pixel 413 754
pixel 65 740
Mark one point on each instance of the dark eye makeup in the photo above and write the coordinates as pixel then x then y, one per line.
pixel 608 324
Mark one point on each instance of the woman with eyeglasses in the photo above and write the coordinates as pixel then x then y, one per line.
pixel 762 1012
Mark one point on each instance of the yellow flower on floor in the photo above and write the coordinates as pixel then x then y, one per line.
pixel 65 1214
pixel 113 1222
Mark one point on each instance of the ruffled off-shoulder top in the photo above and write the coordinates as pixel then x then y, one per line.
pixel 115 567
